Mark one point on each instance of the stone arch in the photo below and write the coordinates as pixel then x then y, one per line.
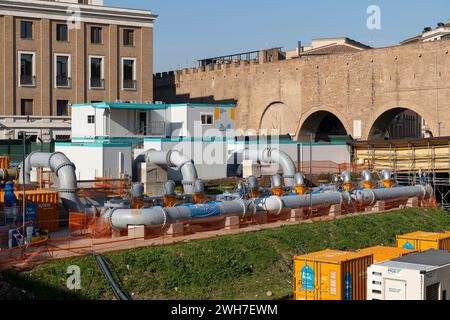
pixel 322 122
pixel 278 117
pixel 396 123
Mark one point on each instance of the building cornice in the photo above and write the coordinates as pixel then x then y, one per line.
pixel 86 13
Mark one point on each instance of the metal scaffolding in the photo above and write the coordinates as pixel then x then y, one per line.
pixel 412 161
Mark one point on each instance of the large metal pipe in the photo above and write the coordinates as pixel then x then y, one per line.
pixel 386 175
pixel 269 155
pixel 137 190
pixel 199 186
pixel 346 176
pixel 122 218
pixel 9 174
pixel 155 216
pixel 277 204
pixel 169 187
pixel 276 181
pixel 367 176
pixel 253 183
pixel 300 179
pixel 371 196
pixel 64 170
pixel 175 159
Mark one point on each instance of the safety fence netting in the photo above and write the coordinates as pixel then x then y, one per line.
pixel 88 235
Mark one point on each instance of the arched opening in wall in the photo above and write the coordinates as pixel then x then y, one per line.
pixel 278 119
pixel 399 124
pixel 322 126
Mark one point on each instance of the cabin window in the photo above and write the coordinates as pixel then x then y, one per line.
pixel 207 119
pixel 91 119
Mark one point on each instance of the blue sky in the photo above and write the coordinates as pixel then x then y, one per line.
pixel 187 30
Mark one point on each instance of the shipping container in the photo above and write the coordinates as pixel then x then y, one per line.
pixel 46 205
pixel 423 241
pixel 381 253
pixel 4 162
pixel 331 275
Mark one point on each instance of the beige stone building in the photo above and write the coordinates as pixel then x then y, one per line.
pixel 57 53
pixel 393 92
pixel 441 32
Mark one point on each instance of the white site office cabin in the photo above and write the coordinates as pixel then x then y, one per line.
pixel 421 276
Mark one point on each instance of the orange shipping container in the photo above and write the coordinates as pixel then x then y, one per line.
pixel 4 162
pixel 331 275
pixel 423 241
pixel 382 254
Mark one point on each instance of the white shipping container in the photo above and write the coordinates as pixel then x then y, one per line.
pixel 420 276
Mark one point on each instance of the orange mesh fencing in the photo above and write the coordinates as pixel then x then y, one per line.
pixel 98 236
pixel 78 222
pixel 100 228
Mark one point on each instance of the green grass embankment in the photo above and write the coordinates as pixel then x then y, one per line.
pixel 245 266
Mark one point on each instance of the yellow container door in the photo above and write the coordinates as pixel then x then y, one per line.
pixel 306 277
pixel 425 245
pixel 317 281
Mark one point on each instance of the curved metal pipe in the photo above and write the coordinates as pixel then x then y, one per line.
pixel 276 181
pixel 170 188
pixel 371 196
pixel 176 159
pixel 346 176
pixel 64 169
pixel 199 186
pixel 137 190
pixel 253 183
pixel 269 155
pixel 299 179
pixel 367 176
pixel 386 175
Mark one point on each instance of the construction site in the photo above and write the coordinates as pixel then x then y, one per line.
pixel 311 174
pixel 113 195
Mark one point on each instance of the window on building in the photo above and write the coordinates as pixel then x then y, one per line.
pixel 96 73
pixel 128 37
pixel 128 74
pixel 27 77
pixel 62 71
pixel 61 32
pixel 96 35
pixel 26 107
pixel 91 119
pixel 207 119
pixel 26 30
pixel 62 108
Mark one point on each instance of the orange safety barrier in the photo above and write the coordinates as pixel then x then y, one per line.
pixel 100 238
pixel 100 228
pixel 78 221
